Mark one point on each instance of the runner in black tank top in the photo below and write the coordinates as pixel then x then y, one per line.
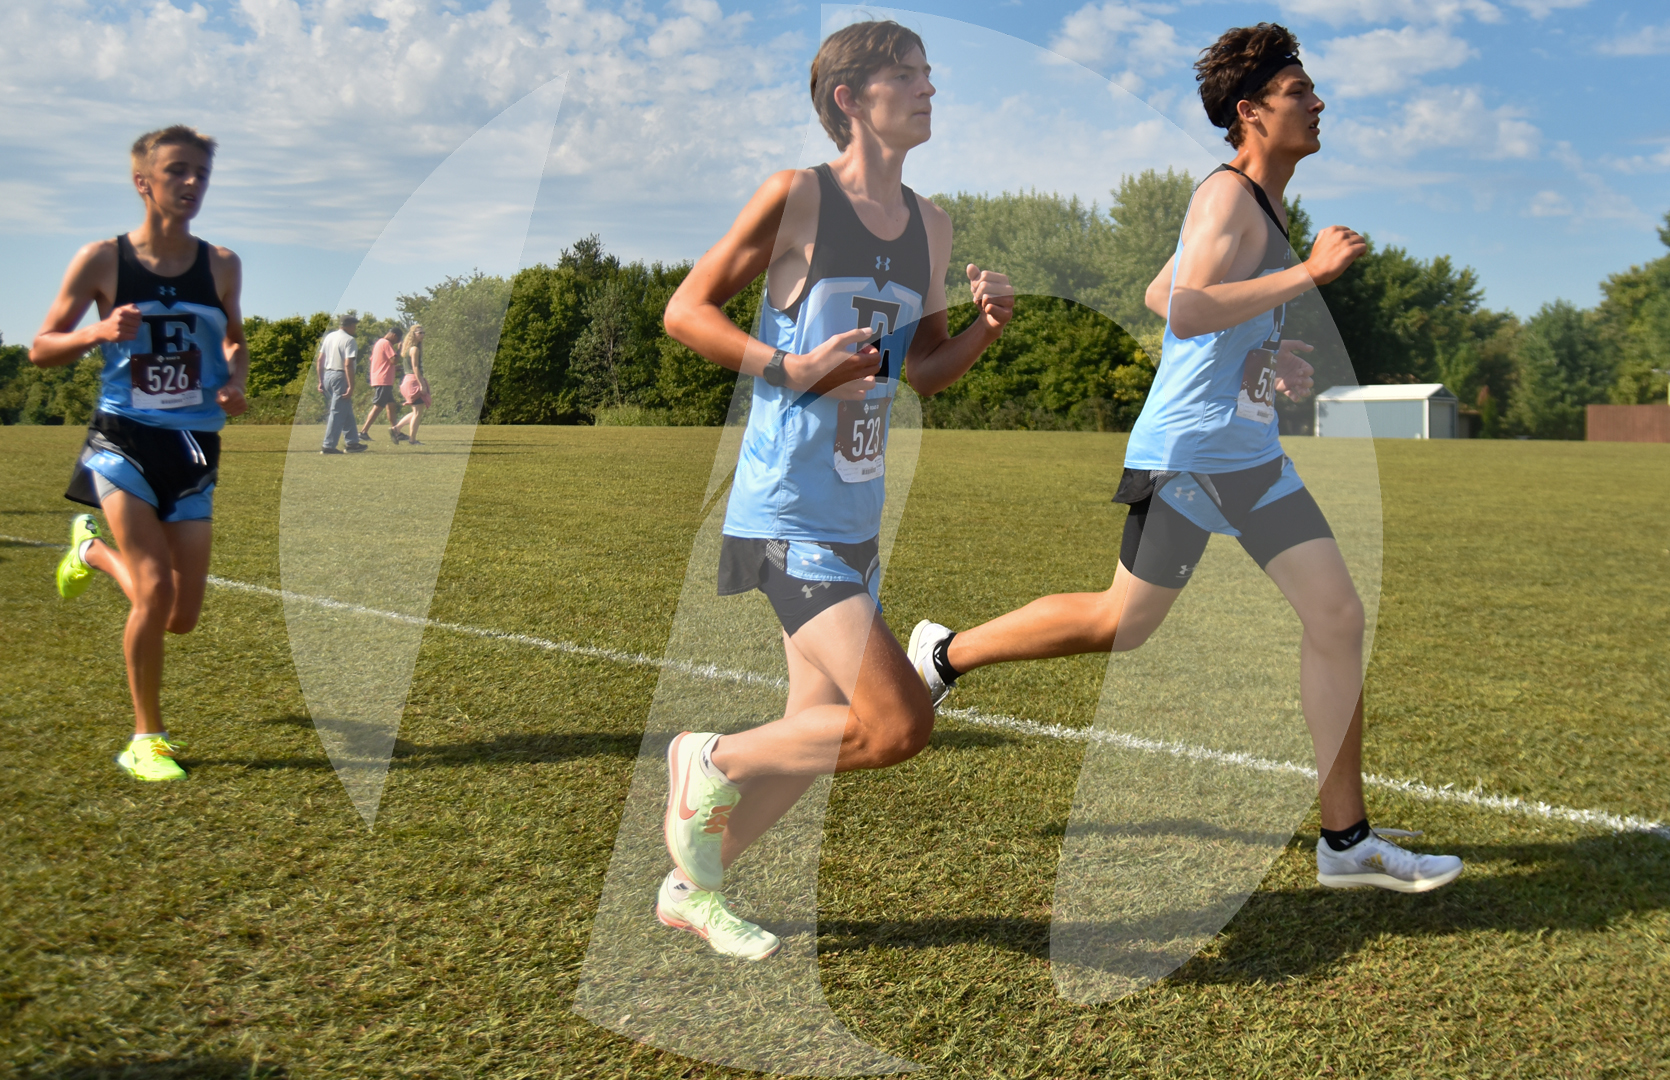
pixel 854 701
pixel 175 362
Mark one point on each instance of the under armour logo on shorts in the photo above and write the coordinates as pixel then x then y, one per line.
pixel 1185 570
pixel 884 264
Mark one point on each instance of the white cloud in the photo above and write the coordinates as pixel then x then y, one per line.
pixel 1647 41
pixel 1123 39
pixel 1383 61
pixel 330 114
pixel 1642 163
pixel 1601 203
pixel 1549 204
pixel 1443 118
pixel 1345 12
pixel 1541 9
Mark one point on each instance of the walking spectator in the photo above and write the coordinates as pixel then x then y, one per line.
pixel 334 363
pixel 384 368
pixel 415 386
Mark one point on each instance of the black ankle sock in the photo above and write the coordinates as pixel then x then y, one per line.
pixel 1342 839
pixel 942 661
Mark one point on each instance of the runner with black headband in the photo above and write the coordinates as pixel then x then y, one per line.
pixel 1204 455
pixel 171 333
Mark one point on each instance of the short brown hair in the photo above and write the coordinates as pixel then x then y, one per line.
pixel 173 135
pixel 1246 53
pixel 848 58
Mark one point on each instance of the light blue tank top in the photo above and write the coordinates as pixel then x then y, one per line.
pixel 811 467
pixel 1211 408
pixel 166 377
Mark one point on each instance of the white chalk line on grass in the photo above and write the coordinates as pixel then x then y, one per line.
pixel 1448 793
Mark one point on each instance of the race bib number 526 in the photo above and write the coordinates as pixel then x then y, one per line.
pixel 170 376
pixel 861 439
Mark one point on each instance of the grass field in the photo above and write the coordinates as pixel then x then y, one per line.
pixel 245 924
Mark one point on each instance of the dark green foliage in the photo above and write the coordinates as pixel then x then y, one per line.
pixel 1402 318
pixel 1059 366
pixel 55 395
pixel 1634 323
pixel 1563 365
pixel 280 349
pixel 586 335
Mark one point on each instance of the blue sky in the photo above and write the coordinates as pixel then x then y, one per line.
pixel 1529 139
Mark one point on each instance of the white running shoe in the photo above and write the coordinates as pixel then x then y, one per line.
pixel 708 915
pixel 1382 864
pixel 698 808
pixel 923 640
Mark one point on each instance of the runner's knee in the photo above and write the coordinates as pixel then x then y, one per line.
pixel 877 746
pixel 184 621
pixel 1339 620
pixel 154 593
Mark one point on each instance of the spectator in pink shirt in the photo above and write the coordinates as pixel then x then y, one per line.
pixel 384 369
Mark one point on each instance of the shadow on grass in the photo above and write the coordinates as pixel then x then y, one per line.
pixel 1029 937
pixel 516 747
pixel 179 1068
pixel 1584 885
pixel 969 740
pixel 1190 827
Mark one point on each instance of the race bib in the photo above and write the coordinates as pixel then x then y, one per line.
pixel 167 381
pixel 861 439
pixel 170 376
pixel 1258 386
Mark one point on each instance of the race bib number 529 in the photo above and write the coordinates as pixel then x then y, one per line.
pixel 170 376
pixel 861 439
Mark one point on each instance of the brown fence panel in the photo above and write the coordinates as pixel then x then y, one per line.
pixel 1629 423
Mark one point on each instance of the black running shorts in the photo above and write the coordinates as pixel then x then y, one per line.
pixel 382 394
pixel 1162 547
pixel 172 469
pixel 802 579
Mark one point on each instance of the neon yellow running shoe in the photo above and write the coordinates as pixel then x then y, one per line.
pixel 698 807
pixel 709 915
pixel 74 575
pixel 150 759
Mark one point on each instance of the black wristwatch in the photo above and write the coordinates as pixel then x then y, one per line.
pixel 775 374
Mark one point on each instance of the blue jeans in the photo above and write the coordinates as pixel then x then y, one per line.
pixel 339 411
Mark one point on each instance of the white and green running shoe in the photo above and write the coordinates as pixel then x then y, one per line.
pixel 923 640
pixel 709 915
pixel 74 575
pixel 698 806
pixel 151 759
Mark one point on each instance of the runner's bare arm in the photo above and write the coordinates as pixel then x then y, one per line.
pixel 696 317
pixel 228 271
pixel 1224 217
pixel 90 279
pixel 936 359
pixel 1158 296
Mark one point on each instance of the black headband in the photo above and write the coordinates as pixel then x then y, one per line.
pixel 1255 81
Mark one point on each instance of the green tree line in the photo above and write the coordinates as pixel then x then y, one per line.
pixel 582 340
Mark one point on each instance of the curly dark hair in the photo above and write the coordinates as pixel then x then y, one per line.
pixel 1237 67
pixel 848 57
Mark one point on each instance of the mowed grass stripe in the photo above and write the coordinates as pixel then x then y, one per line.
pixel 1416 789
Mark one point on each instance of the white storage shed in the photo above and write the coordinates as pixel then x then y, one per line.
pixel 1409 411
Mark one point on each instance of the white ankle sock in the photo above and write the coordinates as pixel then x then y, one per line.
pixel 150 735
pixel 713 771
